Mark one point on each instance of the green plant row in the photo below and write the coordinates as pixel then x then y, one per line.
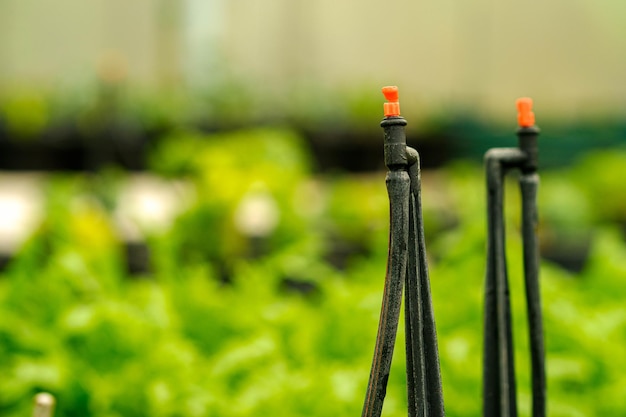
pixel 230 322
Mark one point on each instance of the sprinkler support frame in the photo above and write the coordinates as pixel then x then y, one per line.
pixel 499 386
pixel 406 266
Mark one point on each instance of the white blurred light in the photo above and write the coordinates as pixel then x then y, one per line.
pixel 148 204
pixel 257 214
pixel 21 203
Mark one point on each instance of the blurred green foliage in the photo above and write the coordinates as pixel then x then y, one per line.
pixel 26 114
pixel 283 323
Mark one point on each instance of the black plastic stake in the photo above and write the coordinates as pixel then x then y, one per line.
pixel 499 390
pixel 406 266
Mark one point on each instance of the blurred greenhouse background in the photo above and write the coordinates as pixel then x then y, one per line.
pixel 193 215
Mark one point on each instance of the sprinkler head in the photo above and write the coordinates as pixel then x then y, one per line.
pixel 392 108
pixel 525 115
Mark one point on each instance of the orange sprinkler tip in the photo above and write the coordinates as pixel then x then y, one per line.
pixel 392 108
pixel 525 116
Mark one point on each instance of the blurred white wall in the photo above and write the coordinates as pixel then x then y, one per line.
pixel 569 55
pixel 68 41
pixel 202 26
pixel 48 42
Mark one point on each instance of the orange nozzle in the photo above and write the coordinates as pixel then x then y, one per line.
pixel 392 108
pixel 525 116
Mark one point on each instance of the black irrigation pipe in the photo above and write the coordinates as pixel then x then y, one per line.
pixel 406 266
